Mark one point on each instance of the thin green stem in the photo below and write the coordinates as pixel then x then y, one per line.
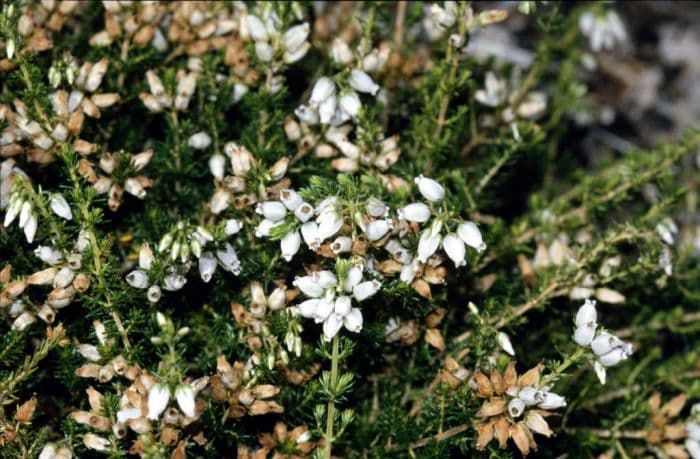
pixel 573 358
pixel 330 411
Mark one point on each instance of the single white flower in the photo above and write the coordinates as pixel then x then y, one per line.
pixel 309 232
pixel 60 206
pixel 96 442
pixel 289 245
pixel 362 82
pixel 290 199
pixel 429 241
pixel 350 103
pixel 366 289
pixel 341 244
pixel 137 279
pixel 586 314
pixel 585 334
pixel 613 357
pixel 174 282
pixel 552 401
pixel 454 248
pixel 308 286
pixel 295 36
pixel 271 210
pixel 429 188
pixel 415 212
pixel 470 234
pixel 48 255
pixel 207 266
pixel 323 90
pixel 377 229
pixel 256 28
pixel 326 109
pixel 158 398
pixel 185 399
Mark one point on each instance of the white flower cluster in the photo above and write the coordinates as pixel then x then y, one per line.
pixel 22 206
pixel 608 350
pixel 335 102
pixel 497 92
pixel 331 298
pixel 181 243
pixel 431 238
pixel 441 19
pixel 158 99
pixel 271 43
pixel 329 220
pixel 604 31
pixel 692 427
pixel 531 397
pixel 63 274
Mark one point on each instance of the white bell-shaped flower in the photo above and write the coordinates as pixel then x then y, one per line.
pixel 60 206
pixel 323 89
pixel 290 244
pixel 158 398
pixel 552 401
pixel 271 210
pixel 185 399
pixel 377 229
pixel 586 314
pixel 470 234
pixel 584 335
pixel 362 82
pixel 308 286
pixel 207 266
pixel 366 289
pixel 454 248
pixel 415 212
pixel 137 279
pixel 429 188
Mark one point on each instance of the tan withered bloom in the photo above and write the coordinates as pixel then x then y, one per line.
pixel 503 415
pixel 119 164
pixel 250 182
pixel 281 443
pixel 665 430
pixel 233 384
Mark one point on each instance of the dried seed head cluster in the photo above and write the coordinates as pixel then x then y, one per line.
pixel 514 407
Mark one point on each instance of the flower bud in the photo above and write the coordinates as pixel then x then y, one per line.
pixel 504 342
pixel 217 165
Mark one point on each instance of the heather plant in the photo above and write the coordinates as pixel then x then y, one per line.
pixel 352 229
